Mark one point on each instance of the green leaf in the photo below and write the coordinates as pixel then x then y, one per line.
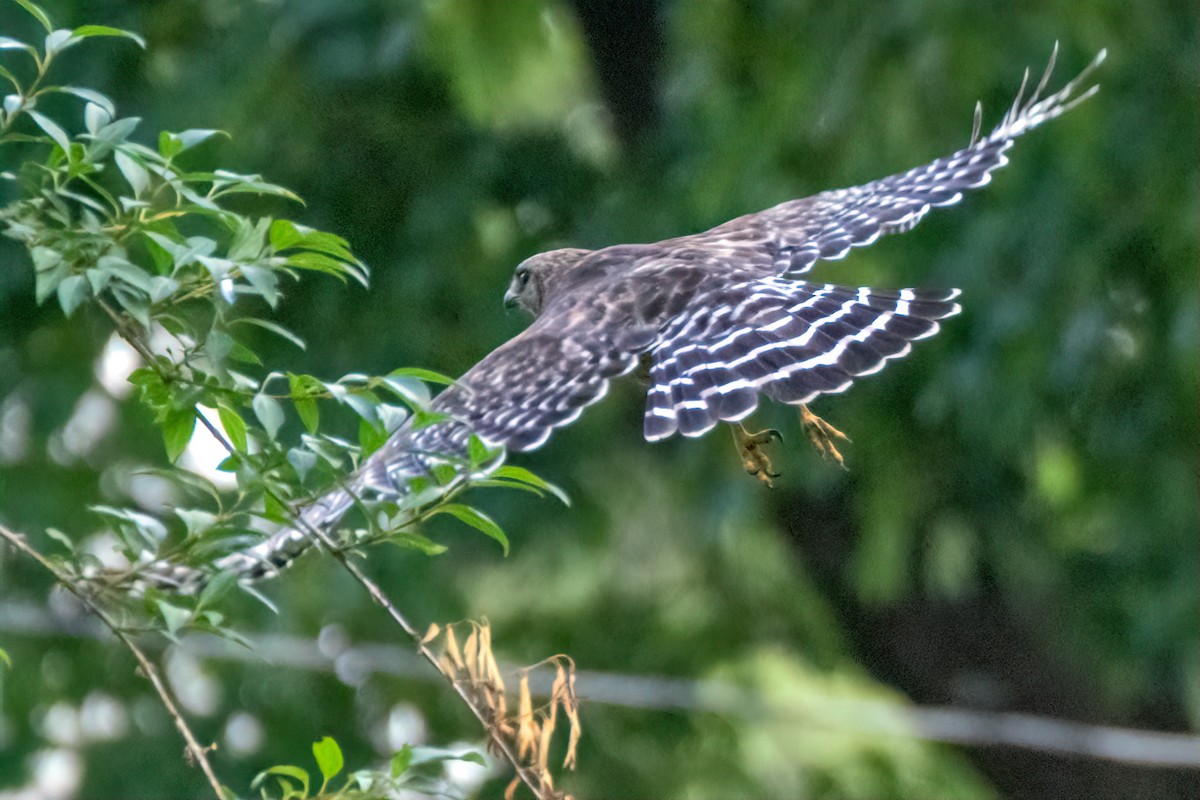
pixel 120 267
pixel 37 13
pixel 434 755
pixel 371 437
pixel 58 40
pixel 416 541
pixel 444 474
pixel 174 616
pixel 317 262
pixel 409 388
pixel 391 417
pixel 226 182
pixel 95 117
pixel 282 769
pixel 427 375
pixel 278 330
pixel 196 520
pixel 477 520
pixel 477 452
pixel 101 102
pixel 53 130
pixel 216 588
pixel 301 388
pixel 72 292
pixel 287 235
pixel 148 528
pixel 177 431
pixel 264 281
pixel 134 172
pixel 269 413
pixel 329 759
pixel 525 476
pixel 162 287
pixel 6 661
pixel 400 761
pixel 172 144
pixel 9 43
pixel 117 131
pixel 135 303
pixel 309 413
pixel 235 427
pixel 50 270
pixel 363 404
pixel 61 538
pixel 169 145
pixel 7 74
pixel 87 31
pixel 273 508
pixel 302 461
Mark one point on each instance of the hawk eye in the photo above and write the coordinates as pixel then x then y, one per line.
pixel 522 277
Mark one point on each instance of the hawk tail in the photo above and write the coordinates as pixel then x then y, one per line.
pixel 261 561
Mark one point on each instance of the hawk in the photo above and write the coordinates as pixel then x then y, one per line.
pixel 721 317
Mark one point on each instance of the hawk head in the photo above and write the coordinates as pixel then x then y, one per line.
pixel 533 277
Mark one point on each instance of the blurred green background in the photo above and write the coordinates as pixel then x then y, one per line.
pixel 1018 527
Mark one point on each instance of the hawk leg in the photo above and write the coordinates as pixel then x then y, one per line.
pixel 822 436
pixel 751 450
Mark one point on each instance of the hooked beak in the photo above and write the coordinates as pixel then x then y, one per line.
pixel 510 300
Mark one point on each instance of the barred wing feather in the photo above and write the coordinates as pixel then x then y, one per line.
pixel 790 340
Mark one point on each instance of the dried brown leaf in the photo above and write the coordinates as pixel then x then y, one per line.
pixel 432 633
pixel 543 751
pixel 488 698
pixel 511 791
pixel 572 710
pixel 446 665
pixel 471 655
pixel 485 645
pixel 576 730
pixel 492 670
pixel 452 650
pixel 501 704
pixel 526 726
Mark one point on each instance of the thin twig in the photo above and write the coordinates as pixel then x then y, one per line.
pixel 376 593
pixel 198 754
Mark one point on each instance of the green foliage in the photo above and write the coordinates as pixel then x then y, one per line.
pixel 409 769
pixel 1036 459
pixel 168 254
pixel 163 249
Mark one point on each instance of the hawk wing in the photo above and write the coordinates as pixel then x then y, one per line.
pixel 790 340
pixel 792 236
pixel 515 397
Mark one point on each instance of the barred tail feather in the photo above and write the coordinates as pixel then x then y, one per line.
pixel 261 561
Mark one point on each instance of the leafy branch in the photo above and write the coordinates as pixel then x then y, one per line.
pixel 154 244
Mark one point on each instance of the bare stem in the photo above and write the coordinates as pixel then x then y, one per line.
pixel 198 753
pixel 377 595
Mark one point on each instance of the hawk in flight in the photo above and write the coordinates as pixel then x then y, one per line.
pixel 722 318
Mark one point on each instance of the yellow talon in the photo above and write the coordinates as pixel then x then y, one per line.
pixel 822 436
pixel 750 447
